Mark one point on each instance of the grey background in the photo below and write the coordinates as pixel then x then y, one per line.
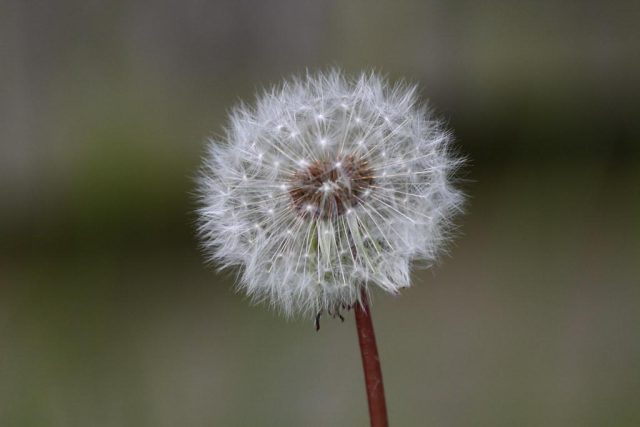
pixel 108 316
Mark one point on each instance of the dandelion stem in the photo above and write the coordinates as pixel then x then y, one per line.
pixel 371 364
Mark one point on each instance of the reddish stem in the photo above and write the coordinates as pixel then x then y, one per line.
pixel 371 364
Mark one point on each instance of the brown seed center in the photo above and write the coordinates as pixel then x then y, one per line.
pixel 327 189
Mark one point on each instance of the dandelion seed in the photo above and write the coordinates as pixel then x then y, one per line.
pixel 347 215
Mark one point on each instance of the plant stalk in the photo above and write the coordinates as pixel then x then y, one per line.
pixel 371 364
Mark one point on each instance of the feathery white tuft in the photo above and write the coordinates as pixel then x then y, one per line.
pixel 328 186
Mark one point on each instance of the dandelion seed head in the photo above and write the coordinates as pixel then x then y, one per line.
pixel 328 185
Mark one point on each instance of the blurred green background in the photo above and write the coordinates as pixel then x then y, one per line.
pixel 108 316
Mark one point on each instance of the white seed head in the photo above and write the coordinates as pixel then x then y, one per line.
pixel 328 186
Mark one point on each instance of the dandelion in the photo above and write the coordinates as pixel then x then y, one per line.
pixel 328 187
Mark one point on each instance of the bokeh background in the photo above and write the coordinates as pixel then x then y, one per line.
pixel 108 316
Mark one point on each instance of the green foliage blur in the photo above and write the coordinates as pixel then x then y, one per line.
pixel 109 316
